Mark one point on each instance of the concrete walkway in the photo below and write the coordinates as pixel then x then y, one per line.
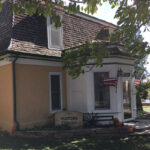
pixel 139 124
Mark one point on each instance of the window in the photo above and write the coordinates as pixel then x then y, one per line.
pixel 55 92
pixel 127 99
pixel 55 36
pixel 102 95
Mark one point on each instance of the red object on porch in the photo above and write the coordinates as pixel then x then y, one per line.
pixel 119 124
pixel 137 82
pixel 130 130
pixel 116 120
pixel 110 82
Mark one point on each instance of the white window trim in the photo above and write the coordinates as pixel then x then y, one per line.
pixel 101 109
pixel 61 98
pixel 130 81
pixel 50 46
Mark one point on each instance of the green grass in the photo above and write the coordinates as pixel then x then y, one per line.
pixel 146 109
pixel 129 143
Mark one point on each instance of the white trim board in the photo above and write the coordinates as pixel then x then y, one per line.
pixel 118 60
pixel 5 61
pixel 38 62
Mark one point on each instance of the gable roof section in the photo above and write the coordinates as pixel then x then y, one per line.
pixel 29 34
pixel 5 26
pixel 78 30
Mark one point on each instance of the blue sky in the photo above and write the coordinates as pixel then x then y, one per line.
pixel 105 12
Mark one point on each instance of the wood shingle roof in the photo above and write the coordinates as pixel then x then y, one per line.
pixel 29 33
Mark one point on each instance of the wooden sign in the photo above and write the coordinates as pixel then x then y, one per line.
pixel 70 118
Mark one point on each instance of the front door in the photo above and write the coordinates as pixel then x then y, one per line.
pixel 127 100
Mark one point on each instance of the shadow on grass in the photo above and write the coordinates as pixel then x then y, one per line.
pixel 129 143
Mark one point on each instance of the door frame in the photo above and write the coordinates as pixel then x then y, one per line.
pixel 130 81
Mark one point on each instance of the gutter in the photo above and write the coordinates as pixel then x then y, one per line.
pixel 16 126
pixel 38 56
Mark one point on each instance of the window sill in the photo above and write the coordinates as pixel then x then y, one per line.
pixel 55 111
pixel 55 48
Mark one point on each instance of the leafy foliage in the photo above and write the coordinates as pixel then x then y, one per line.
pixel 84 57
pixel 142 93
pixel 141 70
pixel 141 89
pixel 132 15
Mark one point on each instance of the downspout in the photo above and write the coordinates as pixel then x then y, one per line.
pixel 16 126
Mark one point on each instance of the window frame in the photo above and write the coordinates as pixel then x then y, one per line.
pixel 101 109
pixel 49 36
pixel 50 93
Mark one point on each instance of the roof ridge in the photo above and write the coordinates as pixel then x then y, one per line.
pixel 97 18
pixel 87 17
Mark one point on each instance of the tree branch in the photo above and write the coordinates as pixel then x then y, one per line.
pixel 74 1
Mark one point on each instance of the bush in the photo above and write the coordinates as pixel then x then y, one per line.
pixel 141 93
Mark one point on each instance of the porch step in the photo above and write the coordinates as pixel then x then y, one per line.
pixel 97 119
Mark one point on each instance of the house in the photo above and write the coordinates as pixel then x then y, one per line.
pixel 33 84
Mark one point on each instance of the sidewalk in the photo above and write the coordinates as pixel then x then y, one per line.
pixel 141 125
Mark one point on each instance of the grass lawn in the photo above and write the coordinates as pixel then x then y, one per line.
pixel 129 143
pixel 146 109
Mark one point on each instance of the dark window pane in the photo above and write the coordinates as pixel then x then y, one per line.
pixel 127 100
pixel 102 96
pixel 55 92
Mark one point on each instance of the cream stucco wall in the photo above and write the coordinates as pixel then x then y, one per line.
pixel 33 94
pixel 6 98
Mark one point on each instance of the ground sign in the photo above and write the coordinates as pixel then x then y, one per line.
pixel 70 118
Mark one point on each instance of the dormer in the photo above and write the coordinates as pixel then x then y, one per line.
pixel 54 36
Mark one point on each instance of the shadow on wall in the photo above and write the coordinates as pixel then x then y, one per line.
pixel 30 29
